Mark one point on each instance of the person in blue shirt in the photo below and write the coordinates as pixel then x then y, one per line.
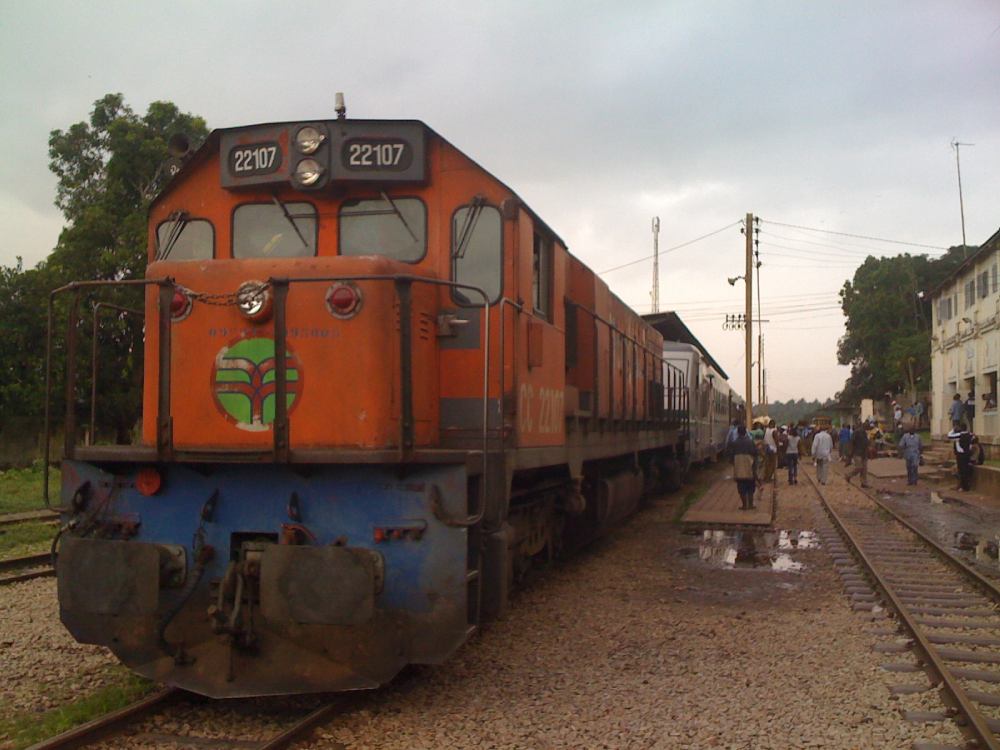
pixel 909 449
pixel 844 442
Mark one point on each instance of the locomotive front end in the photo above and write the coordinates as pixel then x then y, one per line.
pixel 290 522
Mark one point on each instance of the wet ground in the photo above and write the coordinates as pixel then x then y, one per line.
pixel 771 550
pixel 967 522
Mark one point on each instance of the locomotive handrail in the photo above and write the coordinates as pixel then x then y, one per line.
pixel 163 411
pixel 93 360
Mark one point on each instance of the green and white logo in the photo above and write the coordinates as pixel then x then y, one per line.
pixel 243 382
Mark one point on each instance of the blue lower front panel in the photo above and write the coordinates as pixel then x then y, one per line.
pixel 236 580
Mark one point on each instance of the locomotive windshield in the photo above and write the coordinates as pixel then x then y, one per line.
pixel 180 238
pixel 274 230
pixel 393 227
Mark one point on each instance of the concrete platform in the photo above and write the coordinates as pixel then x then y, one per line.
pixel 720 506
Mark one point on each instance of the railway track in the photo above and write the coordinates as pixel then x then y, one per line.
pixel 17 569
pixel 945 609
pixel 146 723
pixel 30 516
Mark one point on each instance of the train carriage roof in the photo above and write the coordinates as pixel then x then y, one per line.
pixel 672 328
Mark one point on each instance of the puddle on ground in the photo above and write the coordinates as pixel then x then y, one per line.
pixel 768 550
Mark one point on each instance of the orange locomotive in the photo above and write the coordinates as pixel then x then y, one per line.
pixel 377 386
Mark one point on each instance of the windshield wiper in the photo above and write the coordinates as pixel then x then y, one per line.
pixel 468 226
pixel 396 211
pixel 180 219
pixel 288 217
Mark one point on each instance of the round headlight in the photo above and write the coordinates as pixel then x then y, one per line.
pixel 308 139
pixel 308 171
pixel 255 300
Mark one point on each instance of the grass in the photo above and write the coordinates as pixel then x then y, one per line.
pixel 18 540
pixel 20 730
pixel 21 489
pixel 693 494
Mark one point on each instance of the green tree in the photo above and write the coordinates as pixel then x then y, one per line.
pixel 109 169
pixel 887 343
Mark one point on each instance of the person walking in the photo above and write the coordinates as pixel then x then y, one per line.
pixel 963 456
pixel 792 455
pixel 744 457
pixel 843 442
pixel 909 449
pixel 859 456
pixel 822 449
pixel 731 435
pixel 770 452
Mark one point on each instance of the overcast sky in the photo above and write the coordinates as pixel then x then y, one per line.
pixel 833 116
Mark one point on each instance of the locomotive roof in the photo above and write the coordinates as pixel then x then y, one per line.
pixel 211 145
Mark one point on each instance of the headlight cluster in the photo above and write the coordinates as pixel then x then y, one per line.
pixel 308 141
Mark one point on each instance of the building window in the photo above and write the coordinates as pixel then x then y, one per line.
pixel 994 274
pixel 541 276
pixel 989 398
pixel 970 293
pixel 983 284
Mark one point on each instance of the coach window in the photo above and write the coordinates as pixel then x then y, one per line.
pixel 541 276
pixel 274 230
pixel 476 252
pixel 179 238
pixel 393 227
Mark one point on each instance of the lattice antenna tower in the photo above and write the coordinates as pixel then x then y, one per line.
pixel 655 294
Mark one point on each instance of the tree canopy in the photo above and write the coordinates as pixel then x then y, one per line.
pixel 887 343
pixel 109 168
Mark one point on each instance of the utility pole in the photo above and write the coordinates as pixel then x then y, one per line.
pixel 748 231
pixel 961 205
pixel 656 264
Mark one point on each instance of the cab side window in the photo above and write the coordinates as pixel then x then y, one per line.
pixel 477 252
pixel 541 276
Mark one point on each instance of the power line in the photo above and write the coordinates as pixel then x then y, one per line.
pixel 847 250
pixel 855 236
pixel 671 249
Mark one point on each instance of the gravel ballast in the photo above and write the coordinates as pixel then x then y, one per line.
pixel 635 643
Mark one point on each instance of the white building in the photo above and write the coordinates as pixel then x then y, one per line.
pixel 965 344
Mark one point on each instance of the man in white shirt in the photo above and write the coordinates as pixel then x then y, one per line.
pixel 822 450
pixel 770 452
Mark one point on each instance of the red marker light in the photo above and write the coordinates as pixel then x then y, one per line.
pixel 148 481
pixel 343 300
pixel 180 305
pixel 379 535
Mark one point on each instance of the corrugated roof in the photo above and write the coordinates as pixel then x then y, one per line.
pixel 672 328
pixel 985 249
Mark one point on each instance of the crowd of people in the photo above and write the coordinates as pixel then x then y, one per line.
pixel 757 454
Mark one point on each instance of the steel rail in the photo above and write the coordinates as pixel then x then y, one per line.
pixel 40 516
pixel 12 563
pixel 975 719
pixel 988 586
pixel 113 723
pixel 102 726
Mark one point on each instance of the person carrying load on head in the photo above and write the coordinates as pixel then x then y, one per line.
pixel 744 457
